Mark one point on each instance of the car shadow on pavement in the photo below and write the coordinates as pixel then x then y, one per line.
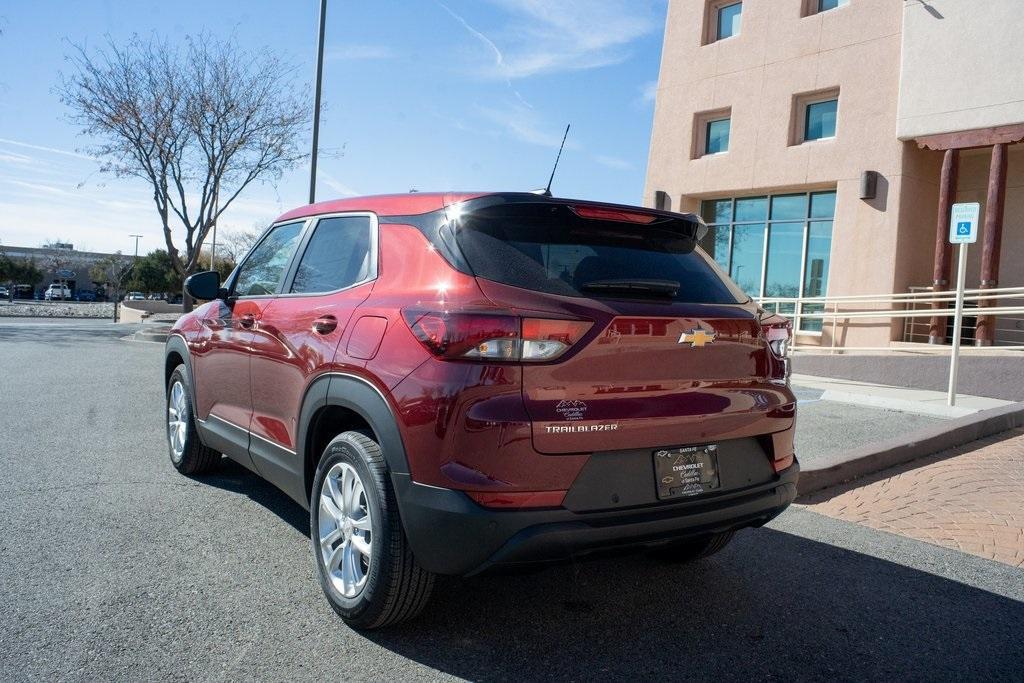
pixel 772 605
pixel 230 476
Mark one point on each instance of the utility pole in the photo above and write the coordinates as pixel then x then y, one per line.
pixel 137 238
pixel 316 104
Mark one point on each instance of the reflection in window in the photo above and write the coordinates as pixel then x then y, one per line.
pixel 729 20
pixel 820 121
pixel 716 245
pixel 799 243
pixel 747 257
pixel 717 137
pixel 819 245
pixel 785 247
pixel 261 272
pixel 825 5
pixel 338 255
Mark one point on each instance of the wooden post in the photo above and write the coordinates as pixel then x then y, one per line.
pixel 992 238
pixel 943 249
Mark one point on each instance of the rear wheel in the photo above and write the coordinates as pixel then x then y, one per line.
pixel 693 549
pixel 365 565
pixel 188 454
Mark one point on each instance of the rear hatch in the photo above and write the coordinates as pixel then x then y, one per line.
pixel 675 355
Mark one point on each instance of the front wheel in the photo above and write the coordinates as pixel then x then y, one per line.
pixel 365 565
pixel 188 454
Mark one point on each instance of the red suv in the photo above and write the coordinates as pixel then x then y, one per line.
pixel 454 383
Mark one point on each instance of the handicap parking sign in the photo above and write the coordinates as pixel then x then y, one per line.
pixel 963 223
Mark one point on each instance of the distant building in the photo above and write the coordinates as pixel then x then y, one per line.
pixel 61 263
pixel 824 141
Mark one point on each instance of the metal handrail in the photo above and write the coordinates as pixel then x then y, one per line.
pixel 897 296
pixel 907 306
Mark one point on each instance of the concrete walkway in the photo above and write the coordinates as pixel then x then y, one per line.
pixel 906 400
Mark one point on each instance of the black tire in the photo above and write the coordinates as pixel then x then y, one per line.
pixel 396 588
pixel 692 549
pixel 195 458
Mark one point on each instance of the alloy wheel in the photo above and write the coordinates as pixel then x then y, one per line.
pixel 177 420
pixel 345 529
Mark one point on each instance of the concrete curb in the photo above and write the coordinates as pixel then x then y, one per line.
pixel 839 468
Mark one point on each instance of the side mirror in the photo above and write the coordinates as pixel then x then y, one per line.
pixel 204 285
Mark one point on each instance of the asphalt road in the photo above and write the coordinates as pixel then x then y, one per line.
pixel 113 566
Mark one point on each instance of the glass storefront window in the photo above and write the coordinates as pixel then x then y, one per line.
pixel 785 247
pixel 747 257
pixel 799 243
pixel 716 211
pixel 789 207
pixel 751 209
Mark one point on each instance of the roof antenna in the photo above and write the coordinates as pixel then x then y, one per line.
pixel 547 190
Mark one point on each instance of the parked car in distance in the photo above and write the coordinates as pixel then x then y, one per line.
pixel 460 383
pixel 5 293
pixel 134 296
pixel 24 292
pixel 57 291
pixel 85 295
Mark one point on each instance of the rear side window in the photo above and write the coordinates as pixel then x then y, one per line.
pixel 338 255
pixel 547 248
pixel 261 272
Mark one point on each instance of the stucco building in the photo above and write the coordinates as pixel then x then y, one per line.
pixel 825 140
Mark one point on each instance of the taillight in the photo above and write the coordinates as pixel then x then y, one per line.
pixel 778 332
pixel 494 337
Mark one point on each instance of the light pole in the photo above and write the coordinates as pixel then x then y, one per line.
pixel 137 238
pixel 316 103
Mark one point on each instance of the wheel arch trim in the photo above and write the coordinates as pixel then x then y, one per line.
pixel 364 398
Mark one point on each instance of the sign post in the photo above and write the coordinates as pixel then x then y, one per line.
pixel 963 230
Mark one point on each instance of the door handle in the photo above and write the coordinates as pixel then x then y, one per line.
pixel 325 324
pixel 247 320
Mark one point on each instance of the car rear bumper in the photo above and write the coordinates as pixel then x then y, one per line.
pixel 451 534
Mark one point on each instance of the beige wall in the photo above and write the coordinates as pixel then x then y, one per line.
pixel 962 65
pixel 777 55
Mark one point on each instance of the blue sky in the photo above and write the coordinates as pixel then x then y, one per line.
pixel 464 94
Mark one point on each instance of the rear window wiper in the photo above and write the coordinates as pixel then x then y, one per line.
pixel 631 286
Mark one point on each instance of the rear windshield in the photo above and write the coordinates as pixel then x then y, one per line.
pixel 547 248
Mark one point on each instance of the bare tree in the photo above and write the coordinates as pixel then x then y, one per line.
pixel 235 244
pixel 198 124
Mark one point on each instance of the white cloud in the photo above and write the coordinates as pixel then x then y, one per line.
pixel 524 124
pixel 613 162
pixel 360 52
pixel 544 36
pixel 499 57
pixel 41 148
pixel 648 92
pixel 336 185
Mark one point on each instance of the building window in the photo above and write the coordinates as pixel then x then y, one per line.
pixel 775 246
pixel 717 136
pixel 815 116
pixel 711 132
pixel 820 120
pixel 812 7
pixel 721 20
pixel 729 20
pixel 825 5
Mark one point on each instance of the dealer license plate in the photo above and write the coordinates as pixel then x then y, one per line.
pixel 686 471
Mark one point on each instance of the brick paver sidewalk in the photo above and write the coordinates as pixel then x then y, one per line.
pixel 969 498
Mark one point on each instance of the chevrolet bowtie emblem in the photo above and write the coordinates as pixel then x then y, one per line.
pixel 697 337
